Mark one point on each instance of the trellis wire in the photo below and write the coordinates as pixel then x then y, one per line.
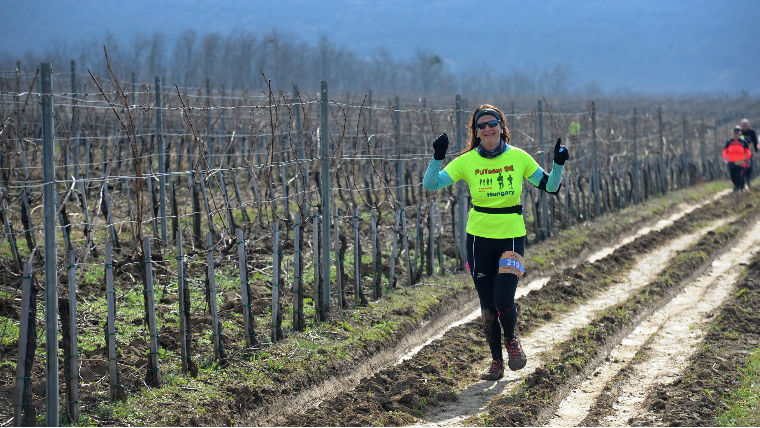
pixel 319 154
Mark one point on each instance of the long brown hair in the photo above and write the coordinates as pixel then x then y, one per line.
pixel 474 140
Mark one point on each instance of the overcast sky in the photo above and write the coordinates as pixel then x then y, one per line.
pixel 649 46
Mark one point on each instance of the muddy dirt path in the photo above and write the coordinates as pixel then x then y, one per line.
pixel 417 383
pixel 473 400
pixel 274 414
pixel 658 349
pixel 717 368
pixel 536 284
pixel 682 210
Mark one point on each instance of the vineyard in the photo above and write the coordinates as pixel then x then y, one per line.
pixel 214 258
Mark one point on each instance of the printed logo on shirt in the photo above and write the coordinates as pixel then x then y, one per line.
pixel 504 193
pixel 485 171
pixel 487 183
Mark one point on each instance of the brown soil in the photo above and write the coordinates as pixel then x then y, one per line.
pixel 398 396
pixel 533 403
pixel 696 397
pixel 403 393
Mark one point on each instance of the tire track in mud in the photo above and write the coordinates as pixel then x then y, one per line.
pixel 658 348
pixel 473 400
pixel 534 402
pixel 403 393
pixel 538 283
pixel 430 330
pixel 715 370
pixel 686 209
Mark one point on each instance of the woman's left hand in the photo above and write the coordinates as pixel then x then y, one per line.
pixel 561 154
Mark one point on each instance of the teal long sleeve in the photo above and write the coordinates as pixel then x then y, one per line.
pixel 435 178
pixel 554 178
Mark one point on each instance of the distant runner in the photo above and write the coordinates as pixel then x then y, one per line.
pixel 737 155
pixel 751 138
pixel 494 172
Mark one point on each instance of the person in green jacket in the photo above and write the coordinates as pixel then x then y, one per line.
pixel 494 171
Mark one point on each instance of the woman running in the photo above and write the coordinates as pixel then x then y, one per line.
pixel 494 171
pixel 737 156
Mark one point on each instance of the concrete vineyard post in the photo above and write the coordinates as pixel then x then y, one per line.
pixel 544 223
pixel 431 239
pixel 394 248
pixel 635 162
pixel 418 258
pixel 183 336
pixel 175 209
pixel 702 154
pixel 24 411
pixel 276 265
pixel 74 129
pixel 215 325
pixel 324 142
pixel 595 177
pixel 461 203
pixel 209 139
pixel 51 267
pixel 245 291
pixel 339 259
pixel 407 256
pixel 72 378
pixel 299 322
pixel 152 377
pixel 376 273
pixel 109 215
pixel 209 215
pixel 357 261
pixel 113 371
pixel 161 162
pixel 399 162
pixel 439 221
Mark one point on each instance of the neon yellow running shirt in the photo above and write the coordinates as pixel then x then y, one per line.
pixel 494 183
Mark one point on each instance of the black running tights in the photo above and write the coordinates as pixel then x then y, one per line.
pixel 495 290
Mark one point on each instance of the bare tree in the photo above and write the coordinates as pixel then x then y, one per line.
pixel 427 69
pixel 156 51
pixel 183 58
pixel 234 61
pixel 138 52
pixel 210 55
pixel 556 80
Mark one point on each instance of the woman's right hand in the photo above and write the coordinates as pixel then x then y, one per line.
pixel 440 145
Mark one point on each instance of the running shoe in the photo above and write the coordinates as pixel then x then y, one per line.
pixel 517 359
pixel 494 372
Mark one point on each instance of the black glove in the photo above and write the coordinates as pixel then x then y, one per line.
pixel 561 154
pixel 440 145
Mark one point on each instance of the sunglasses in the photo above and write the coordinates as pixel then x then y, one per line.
pixel 490 123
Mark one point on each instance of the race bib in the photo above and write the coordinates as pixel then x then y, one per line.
pixel 511 262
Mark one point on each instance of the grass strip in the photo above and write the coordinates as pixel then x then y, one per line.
pixel 744 402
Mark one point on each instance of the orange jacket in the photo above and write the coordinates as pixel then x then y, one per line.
pixel 737 151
